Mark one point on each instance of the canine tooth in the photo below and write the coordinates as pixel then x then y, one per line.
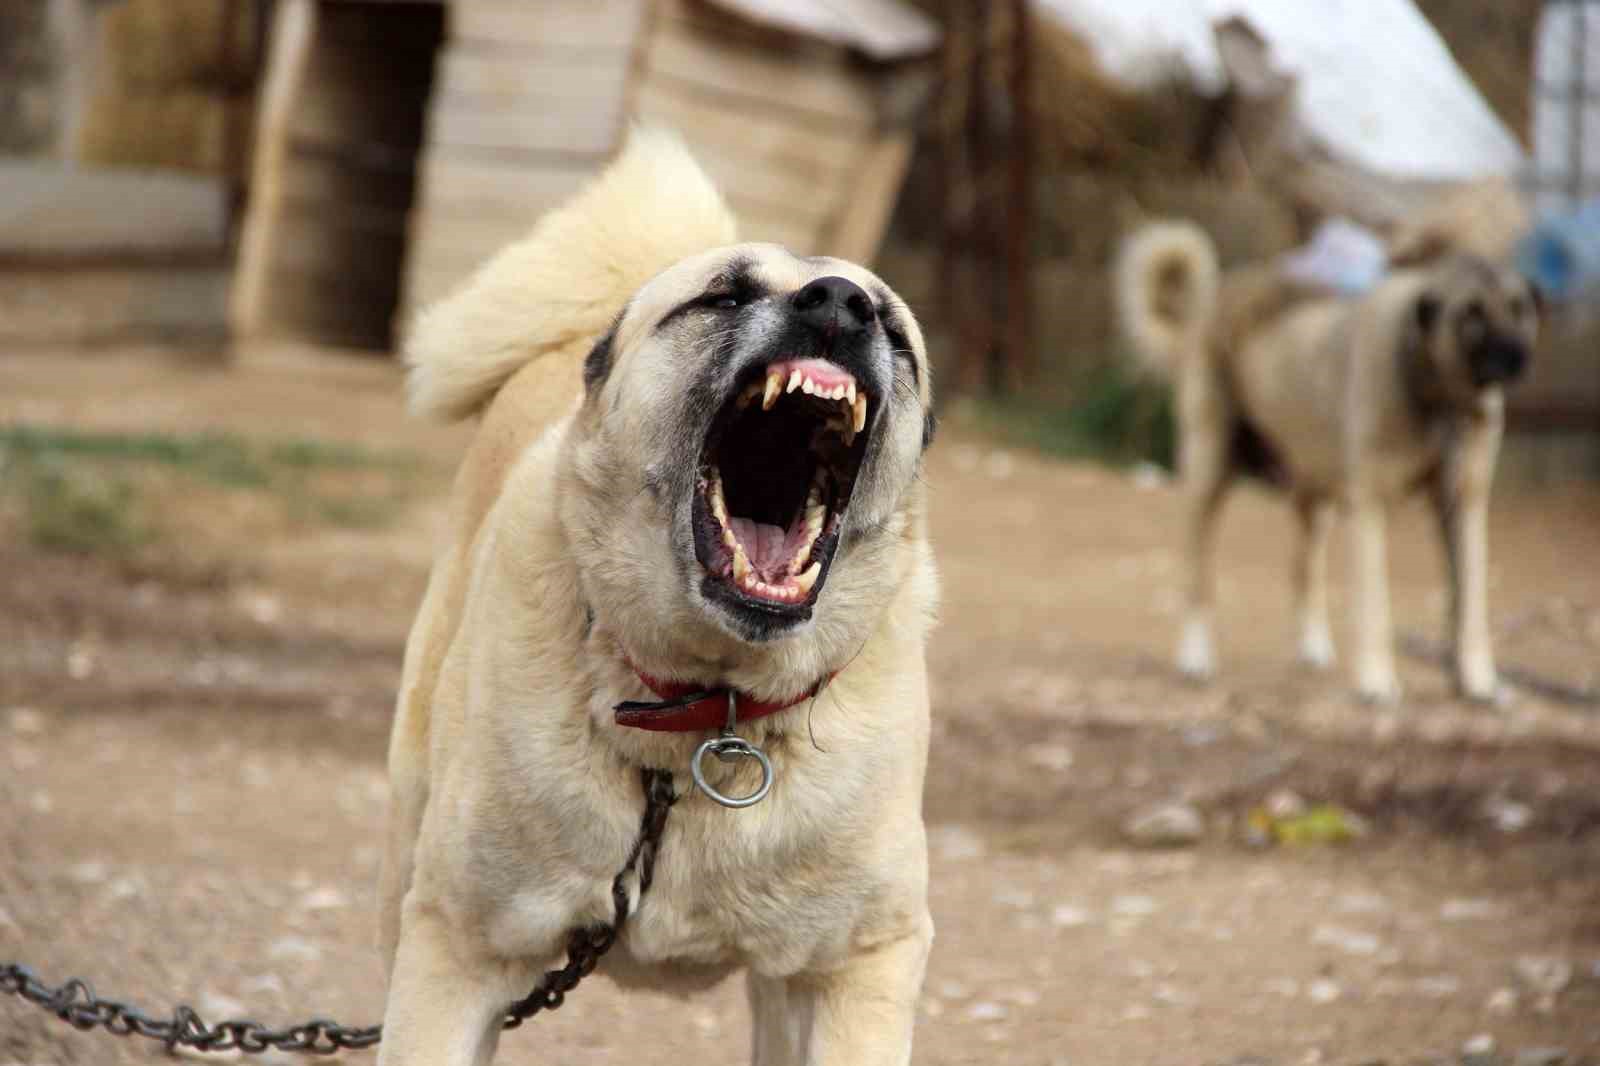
pixel 806 580
pixel 860 409
pixel 850 393
pixel 741 565
pixel 816 514
pixel 774 386
pixel 794 382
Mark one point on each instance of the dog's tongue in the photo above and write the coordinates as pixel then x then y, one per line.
pixel 768 548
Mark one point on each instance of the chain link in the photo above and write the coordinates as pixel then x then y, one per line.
pixel 74 1001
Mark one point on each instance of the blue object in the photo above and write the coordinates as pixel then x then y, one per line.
pixel 1561 254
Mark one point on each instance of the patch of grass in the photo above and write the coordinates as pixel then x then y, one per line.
pixel 79 492
pixel 1114 417
pixel 79 512
pixel 222 458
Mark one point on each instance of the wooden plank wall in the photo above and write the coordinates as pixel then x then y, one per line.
pixel 341 185
pixel 532 99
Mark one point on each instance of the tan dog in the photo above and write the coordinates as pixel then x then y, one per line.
pixel 1355 402
pixel 697 463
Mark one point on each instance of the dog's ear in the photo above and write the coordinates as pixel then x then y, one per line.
pixel 1427 311
pixel 597 364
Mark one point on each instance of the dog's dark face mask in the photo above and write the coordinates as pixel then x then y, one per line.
pixel 1480 325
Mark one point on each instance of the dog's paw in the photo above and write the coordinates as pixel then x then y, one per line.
pixel 1316 648
pixel 1197 659
pixel 1491 694
pixel 1378 689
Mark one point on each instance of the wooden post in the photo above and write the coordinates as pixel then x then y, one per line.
pixel 1018 348
pixel 975 291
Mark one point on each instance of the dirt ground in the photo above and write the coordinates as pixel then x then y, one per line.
pixel 192 786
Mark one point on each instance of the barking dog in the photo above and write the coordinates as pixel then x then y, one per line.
pixel 1352 402
pixel 695 469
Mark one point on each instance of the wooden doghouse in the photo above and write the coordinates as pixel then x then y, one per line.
pixel 395 154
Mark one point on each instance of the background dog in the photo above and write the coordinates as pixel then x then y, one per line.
pixel 1341 401
pixel 697 462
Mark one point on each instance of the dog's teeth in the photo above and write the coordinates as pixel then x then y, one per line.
pixel 741 565
pixel 794 382
pixel 850 393
pixel 774 387
pixel 806 580
pixel 860 409
pixel 808 387
pixel 816 514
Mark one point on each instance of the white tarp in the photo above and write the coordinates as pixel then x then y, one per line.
pixel 1378 87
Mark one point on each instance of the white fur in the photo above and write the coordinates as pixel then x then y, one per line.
pixel 566 281
pixel 1158 337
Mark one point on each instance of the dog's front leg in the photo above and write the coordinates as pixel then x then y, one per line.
pixel 859 1014
pixel 1375 673
pixel 444 1009
pixel 1461 502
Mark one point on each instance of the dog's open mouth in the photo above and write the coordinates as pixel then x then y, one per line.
pixel 776 473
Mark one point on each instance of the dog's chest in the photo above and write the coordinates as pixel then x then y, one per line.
pixel 732 900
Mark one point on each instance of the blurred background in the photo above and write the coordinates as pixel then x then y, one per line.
pixel 216 217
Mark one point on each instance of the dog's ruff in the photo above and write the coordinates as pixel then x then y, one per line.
pixel 656 404
pixel 1343 402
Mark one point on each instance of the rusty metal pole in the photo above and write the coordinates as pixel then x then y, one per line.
pixel 1018 347
pixel 947 154
pixel 977 289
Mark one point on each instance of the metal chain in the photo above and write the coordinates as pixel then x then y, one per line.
pixel 75 1003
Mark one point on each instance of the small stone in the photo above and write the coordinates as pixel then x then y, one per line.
pixel 986 1011
pixel 1056 757
pixel 953 990
pixel 1349 941
pixel 1147 476
pixel 1068 916
pixel 215 1007
pixel 1166 825
pixel 25 721
pixel 1545 974
pixel 1468 910
pixel 326 898
pixel 1285 803
pixel 1502 1000
pixel 1323 991
pixel 1541 1056
pixel 294 949
pixel 1508 816
pixel 1133 906
pixel 1480 1045
pixel 706 1021
pixel 88 873
pixel 1439 986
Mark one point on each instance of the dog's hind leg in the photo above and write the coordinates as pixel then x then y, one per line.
pixel 1315 515
pixel 1207 474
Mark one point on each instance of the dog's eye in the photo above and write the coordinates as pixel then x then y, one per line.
pixel 722 301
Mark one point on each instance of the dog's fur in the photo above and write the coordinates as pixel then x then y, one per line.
pixel 1350 402
pixel 515 796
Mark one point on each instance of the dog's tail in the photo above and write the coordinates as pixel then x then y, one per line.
pixel 558 290
pixel 1166 292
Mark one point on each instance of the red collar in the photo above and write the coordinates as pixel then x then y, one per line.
pixel 692 708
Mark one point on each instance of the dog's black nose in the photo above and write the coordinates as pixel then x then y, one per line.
pixel 1499 360
pixel 834 305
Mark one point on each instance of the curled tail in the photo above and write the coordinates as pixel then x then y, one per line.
pixel 557 290
pixel 1166 285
